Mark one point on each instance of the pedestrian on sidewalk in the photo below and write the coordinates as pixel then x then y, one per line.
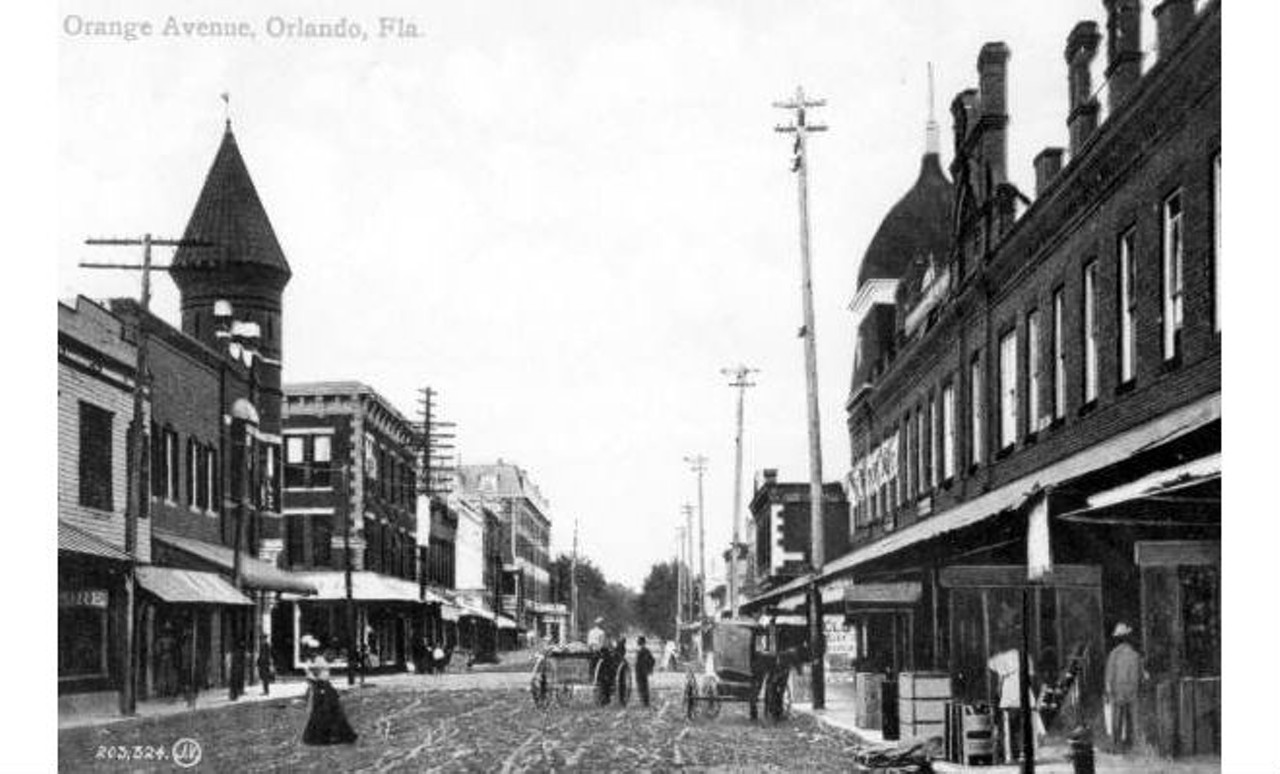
pixel 644 667
pixel 1120 687
pixel 266 666
pixel 327 722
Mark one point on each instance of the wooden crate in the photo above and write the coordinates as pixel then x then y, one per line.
pixel 924 685
pixel 868 687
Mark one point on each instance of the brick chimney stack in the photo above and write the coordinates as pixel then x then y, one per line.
pixel 1173 17
pixel 1047 163
pixel 993 119
pixel 1124 50
pixel 1082 47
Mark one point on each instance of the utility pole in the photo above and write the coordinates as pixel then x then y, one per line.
pixel 679 582
pixel 801 128
pixel 698 464
pixel 741 379
pixel 573 585
pixel 137 484
pixel 693 609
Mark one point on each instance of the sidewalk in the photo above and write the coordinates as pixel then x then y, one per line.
pixel 1051 758
pixel 290 690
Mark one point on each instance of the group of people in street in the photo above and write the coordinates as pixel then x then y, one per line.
pixel 431 658
pixel 614 655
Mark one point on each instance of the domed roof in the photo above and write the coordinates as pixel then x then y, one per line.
pixel 917 226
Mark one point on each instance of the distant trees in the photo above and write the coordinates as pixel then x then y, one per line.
pixel 597 597
pixel 656 604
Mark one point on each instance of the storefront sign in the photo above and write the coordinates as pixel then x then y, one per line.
pixel 876 469
pixel 842 639
pixel 83 598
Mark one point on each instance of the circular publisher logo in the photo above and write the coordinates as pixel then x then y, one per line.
pixel 186 752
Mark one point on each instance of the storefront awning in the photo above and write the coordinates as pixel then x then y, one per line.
pixel 77 541
pixel 365 587
pixel 1161 483
pixel 863 596
pixel 189 587
pixel 254 573
pixel 1114 450
pixel 506 623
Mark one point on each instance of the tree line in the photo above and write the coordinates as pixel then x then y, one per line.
pixel 650 612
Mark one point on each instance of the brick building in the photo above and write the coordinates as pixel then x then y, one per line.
pixel 351 490
pixel 1038 395
pixel 525 542
pixel 96 366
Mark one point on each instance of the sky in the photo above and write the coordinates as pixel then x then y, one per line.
pixel 566 217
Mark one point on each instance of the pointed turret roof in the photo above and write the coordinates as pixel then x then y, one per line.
pixel 230 215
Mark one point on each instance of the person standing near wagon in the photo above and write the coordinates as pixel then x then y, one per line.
pixel 644 667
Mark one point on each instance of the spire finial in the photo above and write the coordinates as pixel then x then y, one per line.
pixel 226 108
pixel 931 142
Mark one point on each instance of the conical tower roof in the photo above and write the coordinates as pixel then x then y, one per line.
pixel 229 215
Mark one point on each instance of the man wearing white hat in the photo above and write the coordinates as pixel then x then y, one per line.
pixel 595 637
pixel 1120 686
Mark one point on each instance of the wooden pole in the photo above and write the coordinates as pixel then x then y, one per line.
pixel 740 376
pixel 801 130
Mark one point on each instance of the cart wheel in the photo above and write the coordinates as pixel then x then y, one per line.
pixel 777 698
pixel 690 696
pixel 710 690
pixel 623 679
pixel 538 683
pixel 599 683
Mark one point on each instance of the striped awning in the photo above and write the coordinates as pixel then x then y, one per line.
pixel 189 587
pixel 255 573
pixel 77 541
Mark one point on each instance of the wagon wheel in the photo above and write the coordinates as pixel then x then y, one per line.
pixel 600 683
pixel 777 697
pixel 623 681
pixel 690 696
pixel 710 690
pixel 538 683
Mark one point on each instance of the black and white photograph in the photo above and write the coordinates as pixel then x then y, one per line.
pixel 603 386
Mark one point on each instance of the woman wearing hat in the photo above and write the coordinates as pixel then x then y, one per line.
pixel 327 723
pixel 1120 687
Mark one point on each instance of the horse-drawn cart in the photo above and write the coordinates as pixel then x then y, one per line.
pixel 559 672
pixel 740 672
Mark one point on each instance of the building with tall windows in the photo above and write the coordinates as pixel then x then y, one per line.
pixel 1036 402
pixel 351 501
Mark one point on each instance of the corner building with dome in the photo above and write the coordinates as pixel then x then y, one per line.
pixel 1034 414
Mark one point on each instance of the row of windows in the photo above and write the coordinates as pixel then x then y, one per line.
pixel 388 550
pixel 927 451
pixel 197 483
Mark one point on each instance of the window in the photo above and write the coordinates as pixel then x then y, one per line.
pixel 160 463
pixel 322 460
pixel 1088 317
pixel 95 457
pixel 82 633
pixel 922 441
pixel 200 471
pixel 1033 371
pixel 948 431
pixel 1172 265
pixel 295 539
pixel 295 467
pixel 215 481
pixel 1216 276
pixel 935 442
pixel 191 474
pixel 975 409
pixel 321 539
pixel 1059 359
pixel 1127 306
pixel 908 458
pixel 175 465
pixel 1009 389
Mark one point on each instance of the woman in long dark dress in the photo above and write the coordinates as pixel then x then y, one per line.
pixel 327 723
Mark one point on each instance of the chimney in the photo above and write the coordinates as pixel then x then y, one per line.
pixel 1048 163
pixel 992 61
pixel 1124 50
pixel 1173 17
pixel 1082 47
